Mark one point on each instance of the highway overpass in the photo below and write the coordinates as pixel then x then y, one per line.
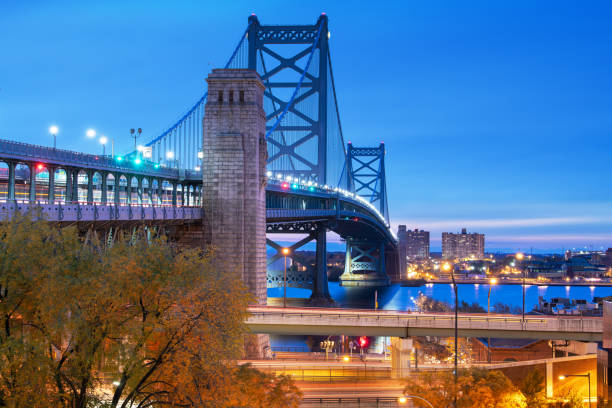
pixel 360 322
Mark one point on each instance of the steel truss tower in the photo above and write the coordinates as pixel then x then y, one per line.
pixel 288 140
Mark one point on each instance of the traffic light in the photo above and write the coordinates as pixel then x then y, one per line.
pixel 363 342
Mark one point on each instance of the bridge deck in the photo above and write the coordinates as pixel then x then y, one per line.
pixel 355 322
pixel 70 213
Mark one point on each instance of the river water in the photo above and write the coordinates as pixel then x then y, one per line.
pixel 396 297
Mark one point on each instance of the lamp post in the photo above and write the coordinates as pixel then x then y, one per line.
pixel 587 376
pixel 53 130
pixel 285 252
pixel 447 267
pixel 404 399
pixel 492 282
pixel 170 157
pixel 519 257
pixel 103 141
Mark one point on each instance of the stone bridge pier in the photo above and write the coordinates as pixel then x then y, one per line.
pixel 234 181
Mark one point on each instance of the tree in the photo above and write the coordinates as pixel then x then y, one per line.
pixel 533 387
pixel 475 388
pixel 139 323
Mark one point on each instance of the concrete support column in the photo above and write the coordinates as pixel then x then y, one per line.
pixel 117 195
pixel 68 185
pixel 173 193
pixel 320 290
pixel 139 190
pixel 103 195
pixel 90 174
pixel 51 192
pixel 11 181
pixel 549 379
pixel 401 355
pixel 75 185
pixel 32 192
pixel 234 181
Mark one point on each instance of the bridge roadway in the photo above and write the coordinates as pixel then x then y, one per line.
pixel 361 322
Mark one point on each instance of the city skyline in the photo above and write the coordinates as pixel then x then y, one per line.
pixel 495 118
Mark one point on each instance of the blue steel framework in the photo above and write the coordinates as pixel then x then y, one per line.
pixel 305 145
pixel 284 138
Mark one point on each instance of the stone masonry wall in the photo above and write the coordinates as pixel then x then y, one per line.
pixel 234 167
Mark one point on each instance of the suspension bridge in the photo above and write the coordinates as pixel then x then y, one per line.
pixel 314 182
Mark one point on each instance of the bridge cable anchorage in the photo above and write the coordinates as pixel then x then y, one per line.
pixel 195 109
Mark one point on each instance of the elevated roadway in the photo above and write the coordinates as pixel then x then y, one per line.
pixel 359 322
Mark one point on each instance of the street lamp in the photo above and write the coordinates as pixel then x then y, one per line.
pixel 90 133
pixel 519 257
pixel 53 130
pixel 404 399
pixel 285 252
pixel 103 141
pixel 447 267
pixel 587 376
pixel 492 282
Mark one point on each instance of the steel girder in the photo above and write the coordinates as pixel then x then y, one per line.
pixel 314 126
pixel 367 175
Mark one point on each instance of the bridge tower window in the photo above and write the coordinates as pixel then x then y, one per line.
pixel 4 181
pixel 82 184
pixel 97 187
pixel 59 192
pixel 42 183
pixel 241 96
pixel 110 189
pixel 123 190
pixel 220 97
pixel 231 97
pixel 22 182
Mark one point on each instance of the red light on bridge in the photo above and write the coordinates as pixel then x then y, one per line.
pixel 40 166
pixel 355 219
pixel 285 186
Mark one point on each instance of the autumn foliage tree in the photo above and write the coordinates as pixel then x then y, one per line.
pixel 475 388
pixel 139 323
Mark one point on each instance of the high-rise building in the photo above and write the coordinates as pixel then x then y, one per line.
pixel 414 244
pixel 462 245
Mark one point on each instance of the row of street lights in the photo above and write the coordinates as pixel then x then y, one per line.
pixel 91 134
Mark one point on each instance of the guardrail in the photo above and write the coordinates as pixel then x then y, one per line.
pixel 404 324
pixel 361 402
pixel 59 212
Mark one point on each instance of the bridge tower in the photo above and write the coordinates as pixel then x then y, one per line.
pixel 234 180
pixel 368 263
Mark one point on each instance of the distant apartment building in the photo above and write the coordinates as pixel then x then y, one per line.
pixel 462 245
pixel 413 244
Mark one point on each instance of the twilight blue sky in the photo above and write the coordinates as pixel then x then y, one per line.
pixel 497 116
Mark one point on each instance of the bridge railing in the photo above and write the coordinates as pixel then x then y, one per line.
pixel 77 212
pixel 364 318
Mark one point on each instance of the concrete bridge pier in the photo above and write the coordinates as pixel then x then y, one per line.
pixel 364 264
pixel 402 352
pixel 234 181
pixel 320 289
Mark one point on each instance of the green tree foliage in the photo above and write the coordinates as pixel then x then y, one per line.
pixel 533 387
pixel 137 324
pixel 427 304
pixel 475 388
